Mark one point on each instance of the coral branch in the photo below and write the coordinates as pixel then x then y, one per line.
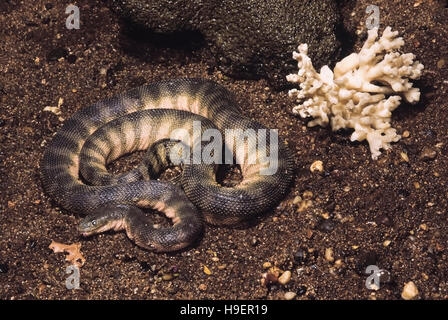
pixel 359 94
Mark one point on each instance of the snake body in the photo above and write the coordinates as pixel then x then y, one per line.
pixel 142 119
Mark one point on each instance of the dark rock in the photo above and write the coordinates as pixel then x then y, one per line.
pixel 57 53
pixel 3 268
pixel 46 20
pixel 2 123
pixel 249 39
pixel 301 291
pixel 48 6
pixel 300 256
pixel 145 266
pixel 71 58
pixel 384 219
pixel 326 225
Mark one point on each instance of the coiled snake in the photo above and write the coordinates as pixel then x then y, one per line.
pixel 143 119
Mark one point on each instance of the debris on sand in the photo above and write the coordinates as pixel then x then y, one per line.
pixel 74 255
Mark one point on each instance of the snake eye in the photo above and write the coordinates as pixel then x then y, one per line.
pixel 93 222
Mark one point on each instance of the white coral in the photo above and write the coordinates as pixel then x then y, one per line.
pixel 358 94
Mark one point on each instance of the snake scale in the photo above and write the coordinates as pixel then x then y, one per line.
pixel 74 172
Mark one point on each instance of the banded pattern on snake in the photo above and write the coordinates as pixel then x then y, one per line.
pixel 142 119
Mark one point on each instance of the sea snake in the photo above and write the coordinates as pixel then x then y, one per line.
pixel 74 173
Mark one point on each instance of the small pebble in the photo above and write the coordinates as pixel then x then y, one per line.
pixel 410 291
pixel 167 277
pixel 406 134
pixel 307 195
pixel 267 265
pixel 440 63
pixel 202 287
pixel 317 166
pixel 404 156
pixel 428 153
pixel 338 263
pixel 297 199
pixel 301 291
pixel 329 254
pixel 254 242
pixel 290 295
pixel 207 270
pixel 57 53
pixel 304 205
pixel 54 110
pixel 300 256
pixel 285 277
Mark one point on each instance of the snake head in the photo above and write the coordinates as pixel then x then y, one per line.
pixel 109 217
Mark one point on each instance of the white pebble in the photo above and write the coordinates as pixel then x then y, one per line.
pixel 285 277
pixel 329 254
pixel 410 291
pixel 317 166
pixel 290 295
